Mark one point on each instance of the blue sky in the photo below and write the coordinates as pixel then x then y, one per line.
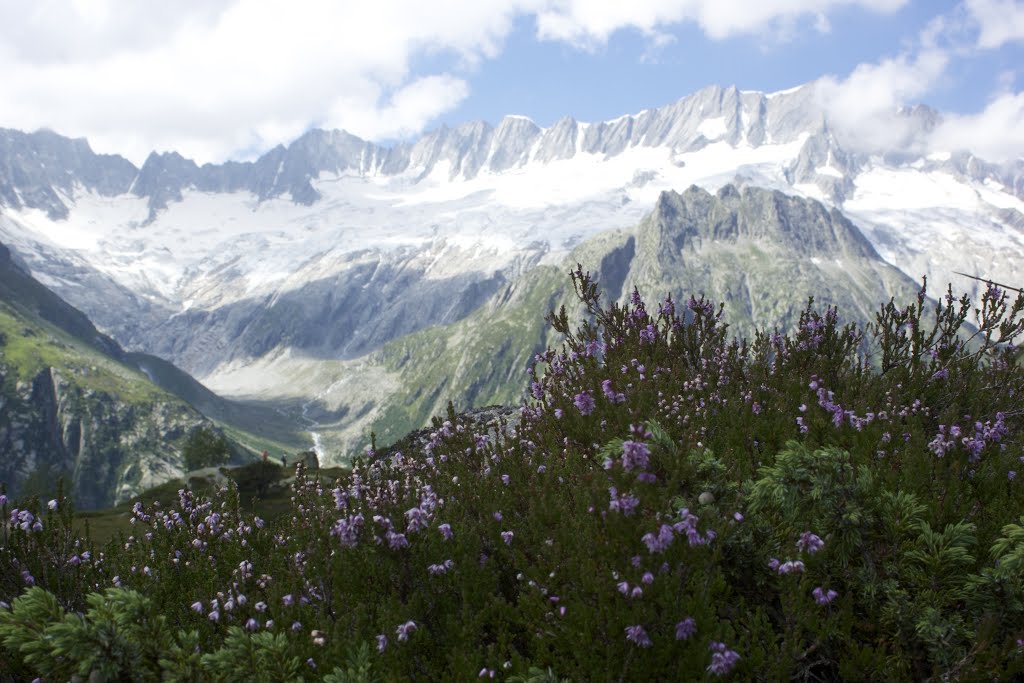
pixel 546 80
pixel 217 79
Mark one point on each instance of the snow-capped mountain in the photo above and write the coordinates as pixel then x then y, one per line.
pixel 328 249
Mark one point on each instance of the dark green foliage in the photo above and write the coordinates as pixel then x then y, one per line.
pixel 205 448
pixel 672 504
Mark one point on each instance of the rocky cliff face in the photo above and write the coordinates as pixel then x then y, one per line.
pixel 106 448
pixel 72 405
pixel 41 170
pixel 761 252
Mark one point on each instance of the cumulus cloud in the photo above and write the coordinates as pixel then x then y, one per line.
pixel 588 22
pixel 212 77
pixel 998 21
pixel 215 77
pixel 995 134
pixel 864 107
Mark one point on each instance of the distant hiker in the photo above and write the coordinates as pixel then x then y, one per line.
pixel 264 456
pixel 284 461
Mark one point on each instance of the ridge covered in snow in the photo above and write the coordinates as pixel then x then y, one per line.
pixel 173 239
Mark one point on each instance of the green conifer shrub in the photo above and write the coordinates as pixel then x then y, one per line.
pixel 205 448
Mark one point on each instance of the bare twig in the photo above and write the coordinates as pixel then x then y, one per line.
pixel 981 279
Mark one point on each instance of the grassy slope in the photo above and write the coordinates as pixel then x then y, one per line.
pixel 478 361
pixel 104 525
pixel 32 345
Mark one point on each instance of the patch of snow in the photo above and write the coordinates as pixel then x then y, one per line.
pixel 787 91
pixel 829 171
pixel 713 129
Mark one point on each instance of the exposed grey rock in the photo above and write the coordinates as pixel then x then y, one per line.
pixel 761 252
pixel 559 141
pixel 88 417
pixel 107 449
pixel 39 171
pixel 370 300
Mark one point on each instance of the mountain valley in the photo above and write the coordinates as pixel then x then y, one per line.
pixel 359 288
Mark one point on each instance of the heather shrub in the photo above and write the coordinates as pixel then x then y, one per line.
pixel 836 502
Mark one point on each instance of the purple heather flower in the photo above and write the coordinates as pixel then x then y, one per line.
pixel 382 642
pixel 296 626
pixel 823 597
pixel 722 660
pixel 686 628
pixel 446 531
pixel 810 542
pixel 558 413
pixel 791 567
pixel 537 390
pixel 635 454
pixel 506 536
pixel 658 543
pixel 260 606
pixel 251 624
pixel 396 541
pixel 610 393
pixel 52 505
pixel 288 600
pixel 505 479
pixel 439 569
pixel 404 630
pixel 3 499
pixel 497 516
pixel 27 578
pixel 638 635
pixel 213 616
pixel 626 503
pixel 647 578
pixel 1011 475
pixel 584 402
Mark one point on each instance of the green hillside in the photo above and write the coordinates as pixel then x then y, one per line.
pixel 74 405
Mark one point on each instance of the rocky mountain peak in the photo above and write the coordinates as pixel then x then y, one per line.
pixel 804 227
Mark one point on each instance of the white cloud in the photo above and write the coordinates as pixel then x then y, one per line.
pixel 995 134
pixel 211 77
pixel 589 22
pixel 208 79
pixel 863 107
pixel 998 21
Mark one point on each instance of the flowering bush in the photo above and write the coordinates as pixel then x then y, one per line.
pixel 670 504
